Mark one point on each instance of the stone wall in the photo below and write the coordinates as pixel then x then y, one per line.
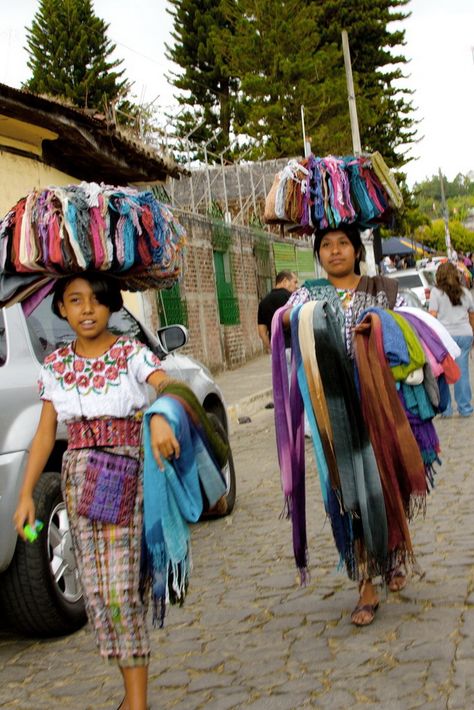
pixel 220 346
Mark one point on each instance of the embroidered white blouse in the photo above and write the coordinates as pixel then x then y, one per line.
pixel 111 385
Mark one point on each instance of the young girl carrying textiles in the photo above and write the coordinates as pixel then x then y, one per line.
pixel 97 385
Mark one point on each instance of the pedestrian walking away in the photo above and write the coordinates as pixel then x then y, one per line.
pixel 453 305
pixel 285 283
pixel 373 434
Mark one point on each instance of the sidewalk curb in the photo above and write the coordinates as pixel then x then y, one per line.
pixel 247 406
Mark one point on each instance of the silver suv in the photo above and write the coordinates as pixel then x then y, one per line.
pixel 40 592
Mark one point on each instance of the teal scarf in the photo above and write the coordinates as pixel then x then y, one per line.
pixel 172 499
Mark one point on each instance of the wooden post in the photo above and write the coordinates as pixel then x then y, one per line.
pixel 351 95
pixel 367 235
pixel 447 235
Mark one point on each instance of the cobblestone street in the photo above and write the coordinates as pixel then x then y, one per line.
pixel 249 637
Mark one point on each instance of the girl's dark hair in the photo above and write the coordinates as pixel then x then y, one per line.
pixel 105 289
pixel 448 281
pixel 352 233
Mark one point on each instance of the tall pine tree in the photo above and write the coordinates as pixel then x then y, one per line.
pixel 69 55
pixel 272 51
pixel 204 75
pixel 249 65
pixel 386 120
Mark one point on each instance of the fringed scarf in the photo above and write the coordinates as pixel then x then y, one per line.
pixel 405 355
pixel 399 461
pixel 289 429
pixel 174 497
pixel 348 473
pixel 359 491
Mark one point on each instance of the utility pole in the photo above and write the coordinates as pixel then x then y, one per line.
pixel 306 140
pixel 367 235
pixel 444 208
pixel 351 95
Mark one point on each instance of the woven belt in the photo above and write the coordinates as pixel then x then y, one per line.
pixel 89 433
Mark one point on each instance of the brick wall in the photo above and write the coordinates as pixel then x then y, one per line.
pixel 219 346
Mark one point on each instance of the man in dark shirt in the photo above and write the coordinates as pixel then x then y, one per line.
pixel 286 282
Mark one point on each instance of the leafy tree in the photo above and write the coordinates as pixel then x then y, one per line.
pixel 205 76
pixel 248 66
pixel 69 55
pixel 459 196
pixel 385 119
pixel 433 235
pixel 272 52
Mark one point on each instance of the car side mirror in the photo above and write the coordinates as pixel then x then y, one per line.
pixel 172 337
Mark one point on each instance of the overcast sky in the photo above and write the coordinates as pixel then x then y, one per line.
pixel 440 42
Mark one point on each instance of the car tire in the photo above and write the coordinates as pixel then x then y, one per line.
pixel 40 591
pixel 228 470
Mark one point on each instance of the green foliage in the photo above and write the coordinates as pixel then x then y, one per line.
pixel 459 195
pixel 271 50
pixel 69 55
pixel 384 108
pixel 433 235
pixel 249 65
pixel 205 75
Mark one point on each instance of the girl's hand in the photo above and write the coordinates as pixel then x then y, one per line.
pixel 163 441
pixel 25 513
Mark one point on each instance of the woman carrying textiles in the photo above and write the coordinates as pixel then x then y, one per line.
pixel 371 537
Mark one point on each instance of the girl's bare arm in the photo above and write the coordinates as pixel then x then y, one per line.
pixel 164 444
pixel 41 448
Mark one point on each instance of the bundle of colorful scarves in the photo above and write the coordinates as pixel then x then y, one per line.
pixel 88 227
pixel 317 193
pixel 177 495
pixel 371 421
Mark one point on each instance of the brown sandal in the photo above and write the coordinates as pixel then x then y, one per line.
pixel 369 609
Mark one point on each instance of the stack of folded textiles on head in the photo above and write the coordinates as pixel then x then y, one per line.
pixel 317 193
pixel 62 231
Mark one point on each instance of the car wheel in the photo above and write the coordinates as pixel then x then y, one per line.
pixel 228 470
pixel 40 591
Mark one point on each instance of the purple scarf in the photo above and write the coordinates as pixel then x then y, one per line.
pixel 289 430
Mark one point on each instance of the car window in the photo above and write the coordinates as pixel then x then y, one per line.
pixel 3 340
pixel 409 280
pixel 48 332
pixel 430 276
pixel 123 323
pixel 410 298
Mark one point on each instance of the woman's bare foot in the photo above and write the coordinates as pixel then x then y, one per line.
pixel 396 580
pixel 368 603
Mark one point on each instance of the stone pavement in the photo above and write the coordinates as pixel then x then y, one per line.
pixel 249 637
pixel 247 388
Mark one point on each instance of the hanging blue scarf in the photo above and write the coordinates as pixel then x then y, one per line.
pixel 172 499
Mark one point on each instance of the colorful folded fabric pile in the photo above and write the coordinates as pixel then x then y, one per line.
pixel 88 227
pixel 317 193
pixel 373 434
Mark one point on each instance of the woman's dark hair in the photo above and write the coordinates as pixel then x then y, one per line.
pixel 352 233
pixel 105 289
pixel 448 281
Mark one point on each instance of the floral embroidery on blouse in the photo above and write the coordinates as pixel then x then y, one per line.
pixel 96 375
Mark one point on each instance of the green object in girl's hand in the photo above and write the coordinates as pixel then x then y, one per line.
pixel 31 531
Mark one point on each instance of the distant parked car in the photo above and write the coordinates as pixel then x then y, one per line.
pixel 40 592
pixel 419 281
